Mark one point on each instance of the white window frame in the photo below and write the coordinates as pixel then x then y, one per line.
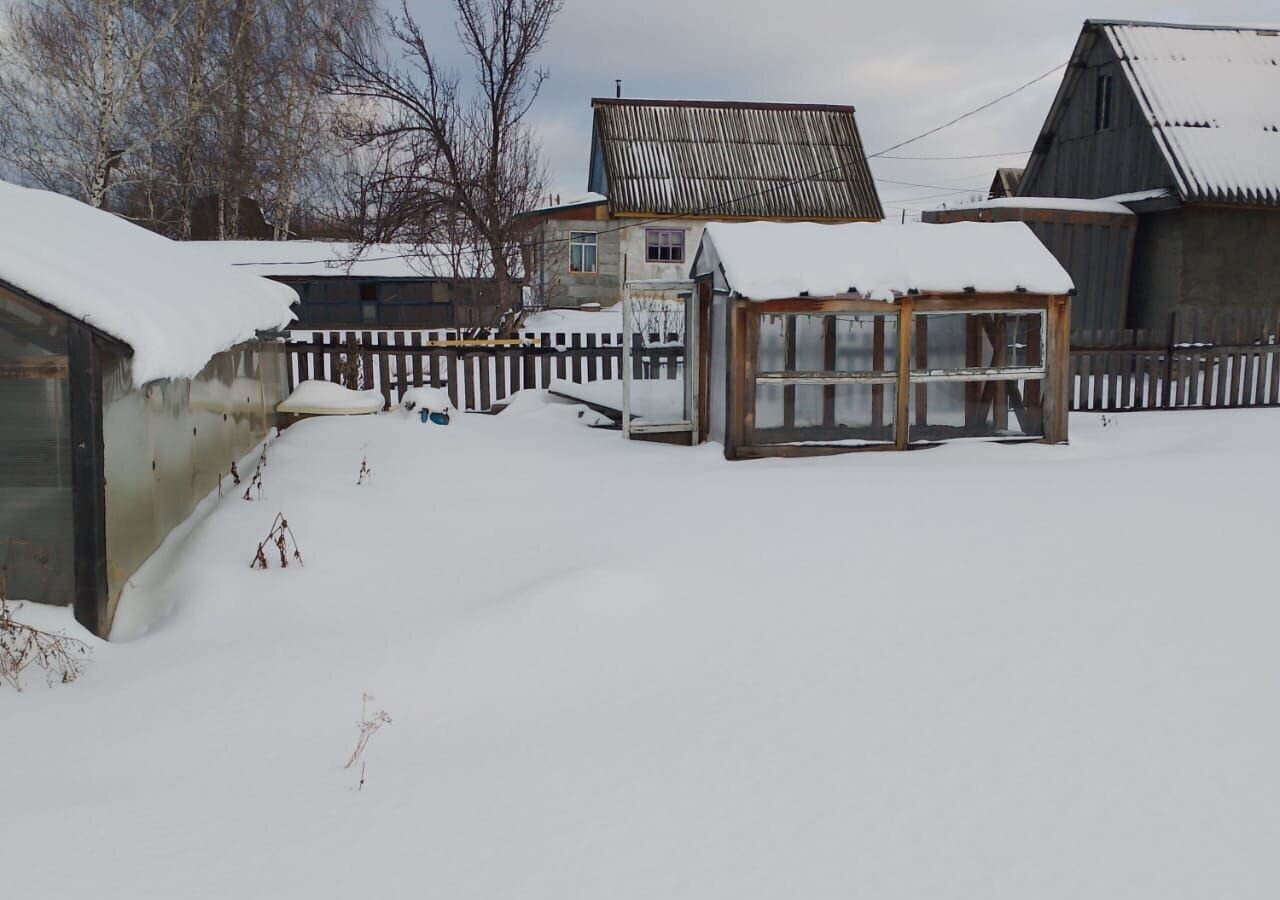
pixel 581 240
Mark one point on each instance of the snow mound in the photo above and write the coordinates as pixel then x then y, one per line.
pixel 323 398
pixel 174 310
pixel 432 399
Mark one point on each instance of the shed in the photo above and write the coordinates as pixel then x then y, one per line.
pixel 1093 239
pixel 131 377
pixel 826 338
pixel 1184 122
pixel 344 285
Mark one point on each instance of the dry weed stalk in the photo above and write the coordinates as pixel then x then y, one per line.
pixel 21 646
pixel 368 725
pixel 366 474
pixel 281 537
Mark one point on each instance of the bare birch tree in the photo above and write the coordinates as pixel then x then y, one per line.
pixel 462 164
pixel 72 75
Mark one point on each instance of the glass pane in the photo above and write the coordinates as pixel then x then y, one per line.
pixel 829 343
pixel 810 413
pixel 657 359
pixel 958 409
pixel 1000 340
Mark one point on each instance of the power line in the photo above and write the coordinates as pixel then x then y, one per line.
pixel 882 154
pixel 976 156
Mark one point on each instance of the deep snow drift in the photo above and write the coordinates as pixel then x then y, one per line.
pixel 630 671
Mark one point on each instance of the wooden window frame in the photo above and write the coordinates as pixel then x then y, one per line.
pixel 1104 103
pixel 743 348
pixel 659 233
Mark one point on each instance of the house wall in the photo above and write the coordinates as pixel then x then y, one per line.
pixel 1231 256
pixel 1157 269
pixel 394 303
pixel 1204 256
pixel 170 444
pixel 37 544
pixel 562 288
pixel 1081 161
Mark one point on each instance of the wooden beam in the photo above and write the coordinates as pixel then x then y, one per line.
pixel 905 326
pixel 877 363
pixel 829 364
pixel 35 368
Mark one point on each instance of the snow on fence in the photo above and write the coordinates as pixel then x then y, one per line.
pixel 476 374
pixel 1205 358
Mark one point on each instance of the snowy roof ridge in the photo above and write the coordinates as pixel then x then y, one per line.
pixel 1211 96
pixel 175 312
pixel 784 260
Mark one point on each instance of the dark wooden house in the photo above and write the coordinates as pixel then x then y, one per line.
pixel 131 378
pixel 660 170
pixel 342 285
pixel 1181 124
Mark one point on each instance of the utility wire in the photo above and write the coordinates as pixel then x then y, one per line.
pixel 976 156
pixel 788 184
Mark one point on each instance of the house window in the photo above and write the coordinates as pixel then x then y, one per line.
pixel 582 251
pixel 1102 106
pixel 664 245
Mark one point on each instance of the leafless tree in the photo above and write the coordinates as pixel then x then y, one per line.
pixel 460 164
pixel 162 108
pixel 72 76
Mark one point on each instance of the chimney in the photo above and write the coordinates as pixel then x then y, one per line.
pixel 617 88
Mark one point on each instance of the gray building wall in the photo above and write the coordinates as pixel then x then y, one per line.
pixel 1081 161
pixel 562 288
pixel 1204 256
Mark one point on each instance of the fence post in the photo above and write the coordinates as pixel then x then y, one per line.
pixel 1171 338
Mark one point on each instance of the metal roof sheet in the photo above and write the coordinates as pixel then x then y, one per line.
pixel 1212 97
pixel 734 160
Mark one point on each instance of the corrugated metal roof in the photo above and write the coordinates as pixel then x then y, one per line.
pixel 749 160
pixel 1212 96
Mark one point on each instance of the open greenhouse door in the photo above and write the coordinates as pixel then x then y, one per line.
pixel 660 360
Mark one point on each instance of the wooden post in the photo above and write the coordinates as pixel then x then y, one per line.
pixel 902 427
pixel 789 365
pixel 877 365
pixel 922 362
pixel 735 378
pixel 999 359
pixel 829 365
pixel 1057 356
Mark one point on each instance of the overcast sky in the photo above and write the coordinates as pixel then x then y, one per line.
pixel 906 66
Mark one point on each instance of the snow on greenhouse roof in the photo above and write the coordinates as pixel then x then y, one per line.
pixel 341 259
pixel 779 260
pixel 1212 97
pixel 175 311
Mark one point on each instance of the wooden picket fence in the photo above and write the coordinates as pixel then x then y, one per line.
pixel 1204 358
pixel 476 374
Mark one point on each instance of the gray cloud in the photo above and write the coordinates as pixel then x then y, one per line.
pixel 906 66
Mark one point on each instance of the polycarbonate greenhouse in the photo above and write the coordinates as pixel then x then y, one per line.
pixel 130 380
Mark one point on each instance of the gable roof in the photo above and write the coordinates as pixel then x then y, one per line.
pixel 731 160
pixel 1005 183
pixel 1211 96
pixel 878 260
pixel 173 310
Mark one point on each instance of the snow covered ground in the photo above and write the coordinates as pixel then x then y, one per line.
pixel 630 671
